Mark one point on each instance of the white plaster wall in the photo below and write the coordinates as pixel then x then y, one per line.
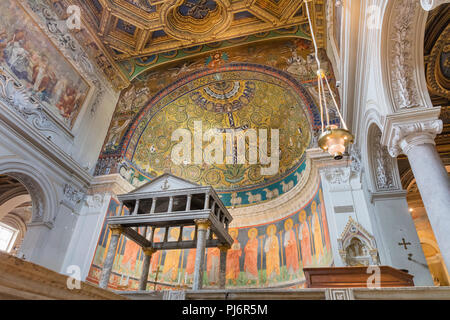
pixel 86 234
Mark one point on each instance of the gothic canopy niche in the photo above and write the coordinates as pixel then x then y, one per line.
pixel 357 246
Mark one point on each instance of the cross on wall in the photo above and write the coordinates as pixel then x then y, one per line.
pixel 405 244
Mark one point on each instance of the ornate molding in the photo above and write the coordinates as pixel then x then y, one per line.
pixel 72 195
pixel 382 165
pixel 37 197
pixel 401 55
pixel 429 5
pixel 338 177
pixel 21 100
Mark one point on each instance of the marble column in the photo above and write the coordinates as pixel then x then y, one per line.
pixel 145 268
pixel 108 264
pixel 223 265
pixel 434 186
pixel 202 227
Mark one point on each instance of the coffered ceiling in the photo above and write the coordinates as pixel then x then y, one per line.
pixel 137 29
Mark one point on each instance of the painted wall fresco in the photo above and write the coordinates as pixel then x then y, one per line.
pixel 271 254
pixel 27 52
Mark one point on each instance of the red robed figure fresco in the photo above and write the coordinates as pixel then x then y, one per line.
pixel 130 255
pixel 304 237
pixel 290 244
pixel 212 265
pixel 251 256
pixel 233 255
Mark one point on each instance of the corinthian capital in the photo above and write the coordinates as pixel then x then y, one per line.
pixel 429 5
pixel 405 130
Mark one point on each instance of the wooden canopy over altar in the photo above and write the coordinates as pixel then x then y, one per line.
pixel 171 203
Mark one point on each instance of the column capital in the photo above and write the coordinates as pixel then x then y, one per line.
pixel 429 5
pixel 404 130
pixel 149 251
pixel 202 224
pixel 115 230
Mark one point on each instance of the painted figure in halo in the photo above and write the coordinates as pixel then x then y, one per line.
pixel 190 263
pixel 324 220
pixel 213 265
pixel 317 232
pixel 272 250
pixel 290 244
pixel 170 269
pixel 154 262
pixel 129 260
pixel 304 236
pixel 251 256
pixel 234 253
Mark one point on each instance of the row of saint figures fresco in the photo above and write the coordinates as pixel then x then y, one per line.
pixel 266 255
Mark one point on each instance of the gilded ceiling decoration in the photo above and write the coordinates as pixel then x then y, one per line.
pixel 437 69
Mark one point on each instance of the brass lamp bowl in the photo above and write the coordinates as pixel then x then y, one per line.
pixel 335 140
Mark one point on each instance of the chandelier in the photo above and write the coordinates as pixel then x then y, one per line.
pixel 333 139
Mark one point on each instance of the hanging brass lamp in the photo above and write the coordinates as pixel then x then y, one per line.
pixel 333 139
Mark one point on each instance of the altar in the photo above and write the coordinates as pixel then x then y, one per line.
pixel 357 277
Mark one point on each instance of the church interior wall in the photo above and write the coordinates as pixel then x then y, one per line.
pixel 63 128
pixel 52 132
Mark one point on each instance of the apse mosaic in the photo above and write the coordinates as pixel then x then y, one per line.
pixel 246 100
pixel 27 52
pixel 265 255
pixel 278 90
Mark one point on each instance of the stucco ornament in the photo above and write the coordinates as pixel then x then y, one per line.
pixel 401 55
pixel 410 134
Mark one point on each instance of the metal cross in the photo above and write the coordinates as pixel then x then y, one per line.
pixel 405 244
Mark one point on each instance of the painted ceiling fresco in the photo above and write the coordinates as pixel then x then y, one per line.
pixel 268 85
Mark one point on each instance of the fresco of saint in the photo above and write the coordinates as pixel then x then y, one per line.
pixel 234 253
pixel 251 256
pixel 318 244
pixel 129 260
pixel 324 220
pixel 154 262
pixel 290 244
pixel 213 265
pixel 272 250
pixel 304 236
pixel 190 263
pixel 172 260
